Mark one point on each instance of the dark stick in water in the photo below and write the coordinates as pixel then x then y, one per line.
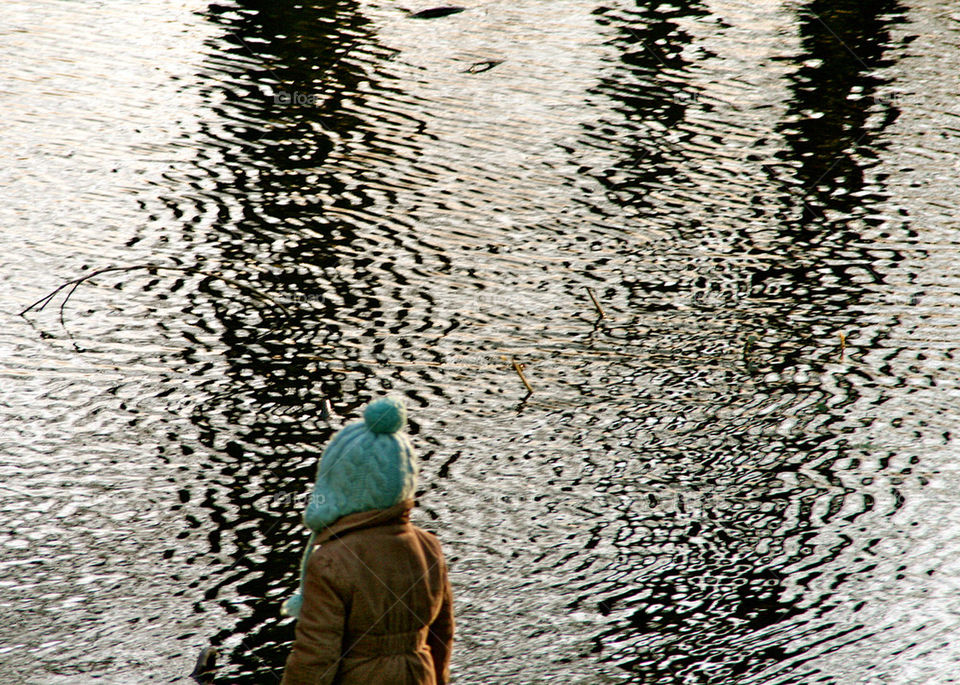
pixel 596 303
pixel 436 12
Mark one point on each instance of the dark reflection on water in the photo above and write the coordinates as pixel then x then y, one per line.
pixel 282 73
pixel 720 610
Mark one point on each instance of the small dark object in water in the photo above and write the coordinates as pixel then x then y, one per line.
pixel 436 12
pixel 596 302
pixel 206 664
pixel 481 67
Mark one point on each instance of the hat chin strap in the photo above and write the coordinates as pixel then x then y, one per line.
pixel 292 606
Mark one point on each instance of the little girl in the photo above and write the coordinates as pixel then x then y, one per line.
pixel 374 603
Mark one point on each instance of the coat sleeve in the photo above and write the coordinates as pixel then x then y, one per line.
pixel 315 657
pixel 440 635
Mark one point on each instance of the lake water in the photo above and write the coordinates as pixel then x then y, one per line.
pixel 745 472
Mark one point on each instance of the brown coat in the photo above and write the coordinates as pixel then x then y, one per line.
pixel 377 605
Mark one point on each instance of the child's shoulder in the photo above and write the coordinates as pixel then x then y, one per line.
pixel 428 538
pixel 423 530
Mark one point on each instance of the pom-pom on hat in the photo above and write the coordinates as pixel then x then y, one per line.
pixel 367 465
pixel 385 416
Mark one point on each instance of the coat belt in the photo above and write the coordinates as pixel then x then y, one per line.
pixel 372 644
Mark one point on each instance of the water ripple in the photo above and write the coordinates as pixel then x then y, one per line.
pixel 740 473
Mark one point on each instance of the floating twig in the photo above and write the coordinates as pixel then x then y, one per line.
pixel 596 302
pixel 76 282
pixel 480 67
pixel 843 344
pixel 518 367
pixel 436 12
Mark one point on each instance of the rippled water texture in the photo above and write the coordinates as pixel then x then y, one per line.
pixel 744 473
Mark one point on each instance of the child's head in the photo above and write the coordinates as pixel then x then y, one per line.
pixel 367 465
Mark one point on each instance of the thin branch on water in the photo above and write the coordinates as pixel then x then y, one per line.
pixel 596 302
pixel 518 367
pixel 77 282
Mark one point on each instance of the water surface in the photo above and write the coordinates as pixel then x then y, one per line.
pixel 743 473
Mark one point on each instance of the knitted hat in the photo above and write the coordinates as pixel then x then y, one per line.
pixel 367 465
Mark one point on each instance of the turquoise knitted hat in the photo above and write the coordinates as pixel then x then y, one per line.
pixel 367 465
